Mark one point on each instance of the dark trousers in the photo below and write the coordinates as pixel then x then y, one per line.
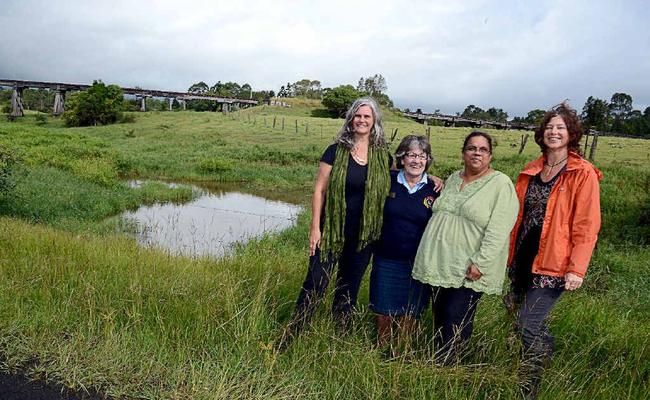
pixel 454 310
pixel 351 268
pixel 538 343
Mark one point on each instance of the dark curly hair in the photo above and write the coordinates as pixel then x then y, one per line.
pixel 572 122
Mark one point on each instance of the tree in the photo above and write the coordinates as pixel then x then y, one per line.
pixel 595 114
pixel 38 99
pixel 636 124
pixel 375 87
pixel 246 91
pixel 310 89
pixel 496 114
pixel 199 88
pixel 474 112
pixel 372 85
pixel 534 117
pixel 339 99
pixel 99 105
pixel 620 106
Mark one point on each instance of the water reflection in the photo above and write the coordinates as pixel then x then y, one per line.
pixel 210 224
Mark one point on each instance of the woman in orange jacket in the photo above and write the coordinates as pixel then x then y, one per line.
pixel 554 236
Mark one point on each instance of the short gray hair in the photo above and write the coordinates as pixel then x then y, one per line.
pixel 413 142
pixel 346 134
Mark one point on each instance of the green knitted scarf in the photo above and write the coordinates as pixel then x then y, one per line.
pixel 376 190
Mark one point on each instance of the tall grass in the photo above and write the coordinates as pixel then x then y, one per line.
pixel 101 312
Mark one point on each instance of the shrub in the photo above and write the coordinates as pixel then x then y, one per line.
pixel 99 105
pixel 339 99
pixel 209 165
pixel 7 161
pixel 41 119
pixel 127 118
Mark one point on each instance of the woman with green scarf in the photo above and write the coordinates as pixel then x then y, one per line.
pixel 347 208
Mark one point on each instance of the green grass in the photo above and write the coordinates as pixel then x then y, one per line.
pixel 89 308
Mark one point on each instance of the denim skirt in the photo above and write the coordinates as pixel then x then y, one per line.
pixel 393 291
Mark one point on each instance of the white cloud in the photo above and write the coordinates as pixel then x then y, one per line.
pixel 513 54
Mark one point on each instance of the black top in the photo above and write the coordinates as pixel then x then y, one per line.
pixel 405 218
pixel 355 186
pixel 530 232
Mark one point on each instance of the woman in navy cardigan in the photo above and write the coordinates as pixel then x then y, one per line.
pixel 395 297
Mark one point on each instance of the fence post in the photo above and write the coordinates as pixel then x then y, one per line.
pixel 586 142
pixel 296 126
pixel 283 124
pixel 274 121
pixel 594 144
pixel 307 128
pixel 524 139
pixel 394 135
pixel 321 131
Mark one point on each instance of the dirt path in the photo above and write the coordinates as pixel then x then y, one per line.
pixel 18 387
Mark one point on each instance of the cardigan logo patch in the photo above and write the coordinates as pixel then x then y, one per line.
pixel 428 201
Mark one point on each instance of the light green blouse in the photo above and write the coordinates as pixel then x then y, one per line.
pixel 471 225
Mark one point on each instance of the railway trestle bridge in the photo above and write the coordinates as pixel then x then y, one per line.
pixel 60 89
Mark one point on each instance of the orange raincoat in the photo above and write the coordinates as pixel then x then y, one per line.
pixel 572 219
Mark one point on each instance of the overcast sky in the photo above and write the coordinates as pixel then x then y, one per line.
pixel 515 55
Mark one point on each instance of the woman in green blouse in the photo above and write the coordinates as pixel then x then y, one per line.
pixel 464 249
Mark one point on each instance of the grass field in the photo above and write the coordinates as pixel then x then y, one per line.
pixel 82 304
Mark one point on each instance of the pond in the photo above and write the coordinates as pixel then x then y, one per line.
pixel 211 223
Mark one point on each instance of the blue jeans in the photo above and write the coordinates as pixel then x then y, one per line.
pixel 454 310
pixel 351 268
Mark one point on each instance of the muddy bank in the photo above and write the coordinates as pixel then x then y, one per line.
pixel 18 387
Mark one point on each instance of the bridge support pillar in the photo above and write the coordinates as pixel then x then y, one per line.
pixel 171 103
pixel 59 102
pixel 143 104
pixel 183 104
pixel 225 108
pixel 17 109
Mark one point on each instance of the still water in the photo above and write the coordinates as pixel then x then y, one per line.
pixel 212 223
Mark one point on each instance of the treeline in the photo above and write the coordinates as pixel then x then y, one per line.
pixel 338 99
pixel 227 89
pixel 33 99
pixel 618 115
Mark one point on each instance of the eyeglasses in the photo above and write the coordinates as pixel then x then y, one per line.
pixel 413 156
pixel 474 149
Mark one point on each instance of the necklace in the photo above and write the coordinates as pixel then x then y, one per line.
pixel 557 163
pixel 548 174
pixel 356 156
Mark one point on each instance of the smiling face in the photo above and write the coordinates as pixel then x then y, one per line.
pixel 556 134
pixel 415 162
pixel 477 155
pixel 363 121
